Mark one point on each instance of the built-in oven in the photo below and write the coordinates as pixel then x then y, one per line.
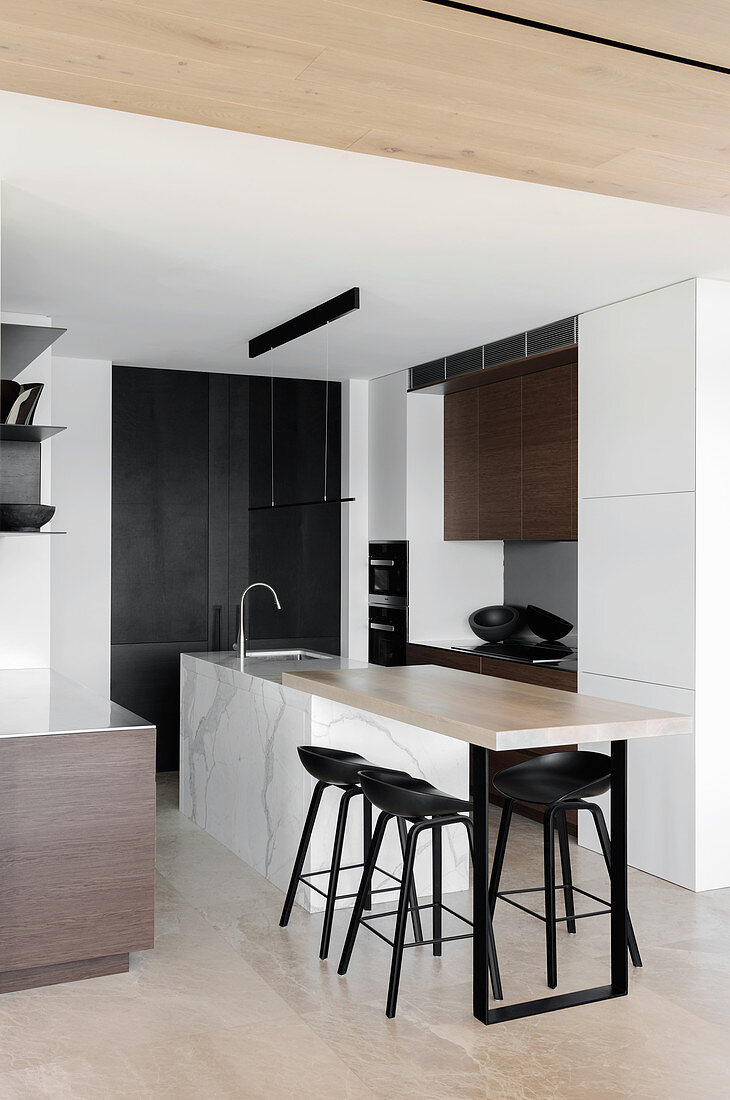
pixel 388 603
pixel 388 572
pixel 388 635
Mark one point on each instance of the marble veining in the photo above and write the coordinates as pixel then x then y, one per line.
pixel 241 779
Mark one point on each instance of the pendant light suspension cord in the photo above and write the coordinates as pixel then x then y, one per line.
pixel 271 407
pixel 326 399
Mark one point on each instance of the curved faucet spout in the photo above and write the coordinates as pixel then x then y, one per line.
pixel 241 644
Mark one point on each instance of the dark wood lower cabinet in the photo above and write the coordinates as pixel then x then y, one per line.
pixel 505 670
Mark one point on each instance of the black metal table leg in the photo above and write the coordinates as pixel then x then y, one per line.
pixel 619 871
pixel 619 889
pixel 480 963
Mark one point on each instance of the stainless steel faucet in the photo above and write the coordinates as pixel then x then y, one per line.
pixel 241 643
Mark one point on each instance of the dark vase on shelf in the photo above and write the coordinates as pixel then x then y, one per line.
pixel 18 402
pixel 495 623
pixel 25 518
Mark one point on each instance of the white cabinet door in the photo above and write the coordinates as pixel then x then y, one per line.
pixel 661 785
pixel 636 588
pixel 636 395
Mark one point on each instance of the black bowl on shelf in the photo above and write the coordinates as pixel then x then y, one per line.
pixel 545 624
pixel 495 623
pixel 25 517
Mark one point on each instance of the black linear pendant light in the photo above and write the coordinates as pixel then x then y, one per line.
pixel 306 322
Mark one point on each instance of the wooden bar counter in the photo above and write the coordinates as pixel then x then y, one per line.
pixel 77 832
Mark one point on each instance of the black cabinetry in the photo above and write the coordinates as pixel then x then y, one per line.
pixel 191 453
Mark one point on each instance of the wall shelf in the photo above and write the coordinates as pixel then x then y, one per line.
pixel 22 344
pixel 17 534
pixel 27 433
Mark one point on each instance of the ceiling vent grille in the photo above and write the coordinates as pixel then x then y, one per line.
pixel 559 334
pixel 427 374
pixel 504 351
pixel 464 362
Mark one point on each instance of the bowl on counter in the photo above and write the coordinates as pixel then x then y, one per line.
pixel 25 517
pixel 546 625
pixel 497 622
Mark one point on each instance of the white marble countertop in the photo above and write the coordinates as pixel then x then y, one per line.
pixel 37 701
pixel 270 668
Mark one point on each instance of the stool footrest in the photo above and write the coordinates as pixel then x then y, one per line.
pixel 506 895
pixel 418 943
pixel 304 879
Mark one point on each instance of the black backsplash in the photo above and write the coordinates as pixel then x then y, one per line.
pixel 544 574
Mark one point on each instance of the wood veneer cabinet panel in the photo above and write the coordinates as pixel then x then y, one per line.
pixel 500 460
pixel 461 466
pixel 77 847
pixel 530 674
pixel 547 454
pixel 446 658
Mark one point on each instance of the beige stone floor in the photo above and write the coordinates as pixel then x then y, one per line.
pixel 230 1005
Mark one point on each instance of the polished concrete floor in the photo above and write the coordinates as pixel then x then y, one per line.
pixel 228 1005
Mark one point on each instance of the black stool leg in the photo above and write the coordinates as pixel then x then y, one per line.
pixel 492 962
pixel 566 869
pixel 501 848
pixel 367 836
pixel 329 909
pixel 362 892
pixel 415 912
pixel 402 917
pixel 550 925
pixel 605 840
pixel 436 870
pixel 302 852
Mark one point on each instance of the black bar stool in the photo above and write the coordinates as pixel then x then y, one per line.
pixel 559 781
pixel 408 799
pixel 337 768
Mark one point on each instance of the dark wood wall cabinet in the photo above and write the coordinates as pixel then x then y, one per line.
pixel 511 456
pixel 505 670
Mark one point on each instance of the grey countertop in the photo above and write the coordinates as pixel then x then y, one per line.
pixel 272 669
pixel 37 701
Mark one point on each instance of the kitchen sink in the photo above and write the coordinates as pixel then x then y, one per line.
pixel 286 655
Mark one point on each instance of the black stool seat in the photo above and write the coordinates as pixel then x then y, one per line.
pixel 407 796
pixel 334 766
pixel 556 776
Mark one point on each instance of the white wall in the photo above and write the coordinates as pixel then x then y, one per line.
pixel 355 464
pixel 448 580
pixel 81 490
pixel 387 457
pixel 25 562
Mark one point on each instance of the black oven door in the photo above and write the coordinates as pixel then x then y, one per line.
pixel 389 570
pixel 388 631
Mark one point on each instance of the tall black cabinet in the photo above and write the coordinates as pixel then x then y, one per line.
pixel 179 532
pixel 190 453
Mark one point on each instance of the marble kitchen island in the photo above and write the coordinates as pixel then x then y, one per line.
pixel 241 779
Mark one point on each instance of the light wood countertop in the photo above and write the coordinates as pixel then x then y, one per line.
pixel 486 711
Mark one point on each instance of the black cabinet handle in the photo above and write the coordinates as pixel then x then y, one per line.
pixel 382 561
pixel 382 626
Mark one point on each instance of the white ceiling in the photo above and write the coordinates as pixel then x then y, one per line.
pixel 164 244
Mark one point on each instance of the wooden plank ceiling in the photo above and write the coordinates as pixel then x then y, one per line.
pixel 410 80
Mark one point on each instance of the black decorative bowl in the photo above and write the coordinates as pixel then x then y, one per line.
pixel 494 624
pixel 25 517
pixel 546 625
